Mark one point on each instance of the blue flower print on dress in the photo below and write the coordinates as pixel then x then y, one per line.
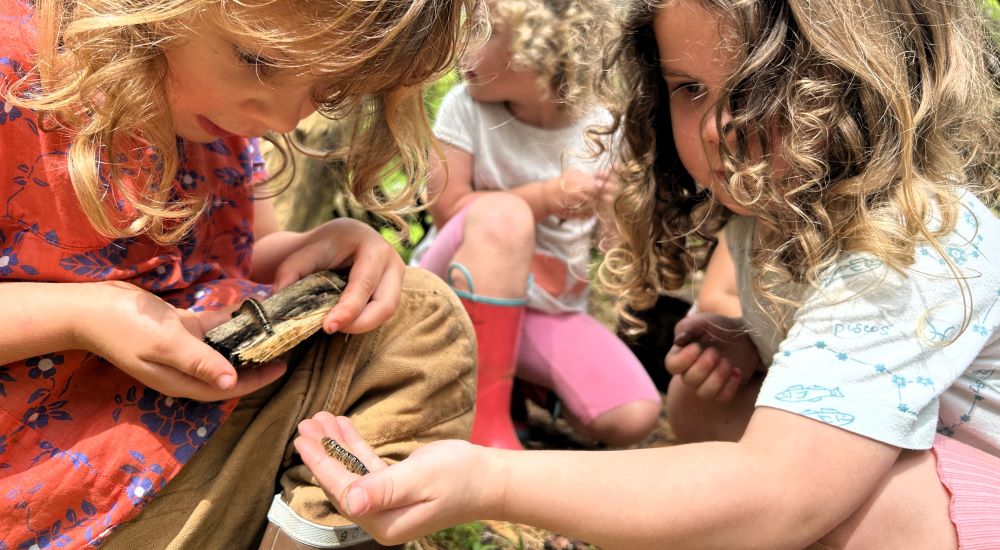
pixel 139 488
pixel 189 180
pixel 218 147
pixel 159 278
pixel 186 423
pixel 38 417
pixel 44 365
pixel 202 426
pixel 243 242
pixel 147 478
pixel 5 377
pixel 8 112
pixel 9 261
pixel 98 264
pixel 217 204
pixel 46 538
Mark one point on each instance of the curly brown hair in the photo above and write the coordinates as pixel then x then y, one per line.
pixel 103 77
pixel 884 112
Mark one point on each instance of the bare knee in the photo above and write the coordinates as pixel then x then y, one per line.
pixel 626 424
pixel 502 219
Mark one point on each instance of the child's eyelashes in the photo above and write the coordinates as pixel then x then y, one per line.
pixel 260 64
pixel 691 90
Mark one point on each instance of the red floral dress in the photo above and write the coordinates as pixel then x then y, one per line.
pixel 83 446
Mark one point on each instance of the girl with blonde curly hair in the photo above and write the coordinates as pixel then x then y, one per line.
pixel 514 205
pixel 851 148
pixel 134 222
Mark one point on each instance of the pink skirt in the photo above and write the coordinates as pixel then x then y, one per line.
pixel 972 478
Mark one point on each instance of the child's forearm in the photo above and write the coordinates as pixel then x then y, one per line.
pixel 42 318
pixel 704 496
pixel 537 195
pixel 532 193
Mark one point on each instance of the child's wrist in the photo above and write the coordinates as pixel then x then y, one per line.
pixel 550 195
pixel 78 312
pixel 495 467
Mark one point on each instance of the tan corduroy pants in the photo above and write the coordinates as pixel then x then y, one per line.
pixel 406 383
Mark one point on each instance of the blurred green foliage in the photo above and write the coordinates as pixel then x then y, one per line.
pixel 466 535
pixel 397 180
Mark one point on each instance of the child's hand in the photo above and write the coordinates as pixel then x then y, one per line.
pixel 161 346
pixel 422 494
pixel 576 194
pixel 712 354
pixel 375 280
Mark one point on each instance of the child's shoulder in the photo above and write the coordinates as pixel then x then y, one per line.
pixel 458 99
pixel 971 250
pixel 17 30
pixel 17 36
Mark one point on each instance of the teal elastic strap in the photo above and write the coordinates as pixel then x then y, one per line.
pixel 471 293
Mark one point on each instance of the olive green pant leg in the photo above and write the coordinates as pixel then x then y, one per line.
pixel 406 383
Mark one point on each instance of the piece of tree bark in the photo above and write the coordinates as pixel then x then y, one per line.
pixel 262 331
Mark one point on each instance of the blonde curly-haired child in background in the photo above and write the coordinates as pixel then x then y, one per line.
pixel 857 144
pixel 515 207
pixel 132 223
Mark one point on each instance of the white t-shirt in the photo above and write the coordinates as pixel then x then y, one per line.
pixel 868 350
pixel 507 153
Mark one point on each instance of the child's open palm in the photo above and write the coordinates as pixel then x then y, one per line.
pixel 397 503
pixel 713 354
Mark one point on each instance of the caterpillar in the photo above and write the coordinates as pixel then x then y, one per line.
pixel 258 311
pixel 351 462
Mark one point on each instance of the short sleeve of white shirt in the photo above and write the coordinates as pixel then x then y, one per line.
pixel 874 351
pixel 456 120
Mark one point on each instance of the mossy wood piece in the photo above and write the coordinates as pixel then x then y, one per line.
pixel 262 331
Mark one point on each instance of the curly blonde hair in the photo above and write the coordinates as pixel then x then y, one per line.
pixel 881 114
pixel 560 40
pixel 102 75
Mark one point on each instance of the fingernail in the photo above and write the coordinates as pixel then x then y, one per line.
pixel 226 381
pixel 330 328
pixel 356 501
pixel 735 374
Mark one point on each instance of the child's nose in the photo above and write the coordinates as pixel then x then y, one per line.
pixel 281 110
pixel 710 131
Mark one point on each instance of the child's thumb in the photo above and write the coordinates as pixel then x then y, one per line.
pixel 384 489
pixel 356 501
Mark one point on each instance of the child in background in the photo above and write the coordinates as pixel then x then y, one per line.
pixel 131 226
pixel 857 144
pixel 514 210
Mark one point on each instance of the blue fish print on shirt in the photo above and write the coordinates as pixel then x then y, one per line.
pixel 800 393
pixel 832 417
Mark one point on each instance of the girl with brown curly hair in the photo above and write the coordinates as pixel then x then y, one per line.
pixel 852 146
pixel 515 208
pixel 133 221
